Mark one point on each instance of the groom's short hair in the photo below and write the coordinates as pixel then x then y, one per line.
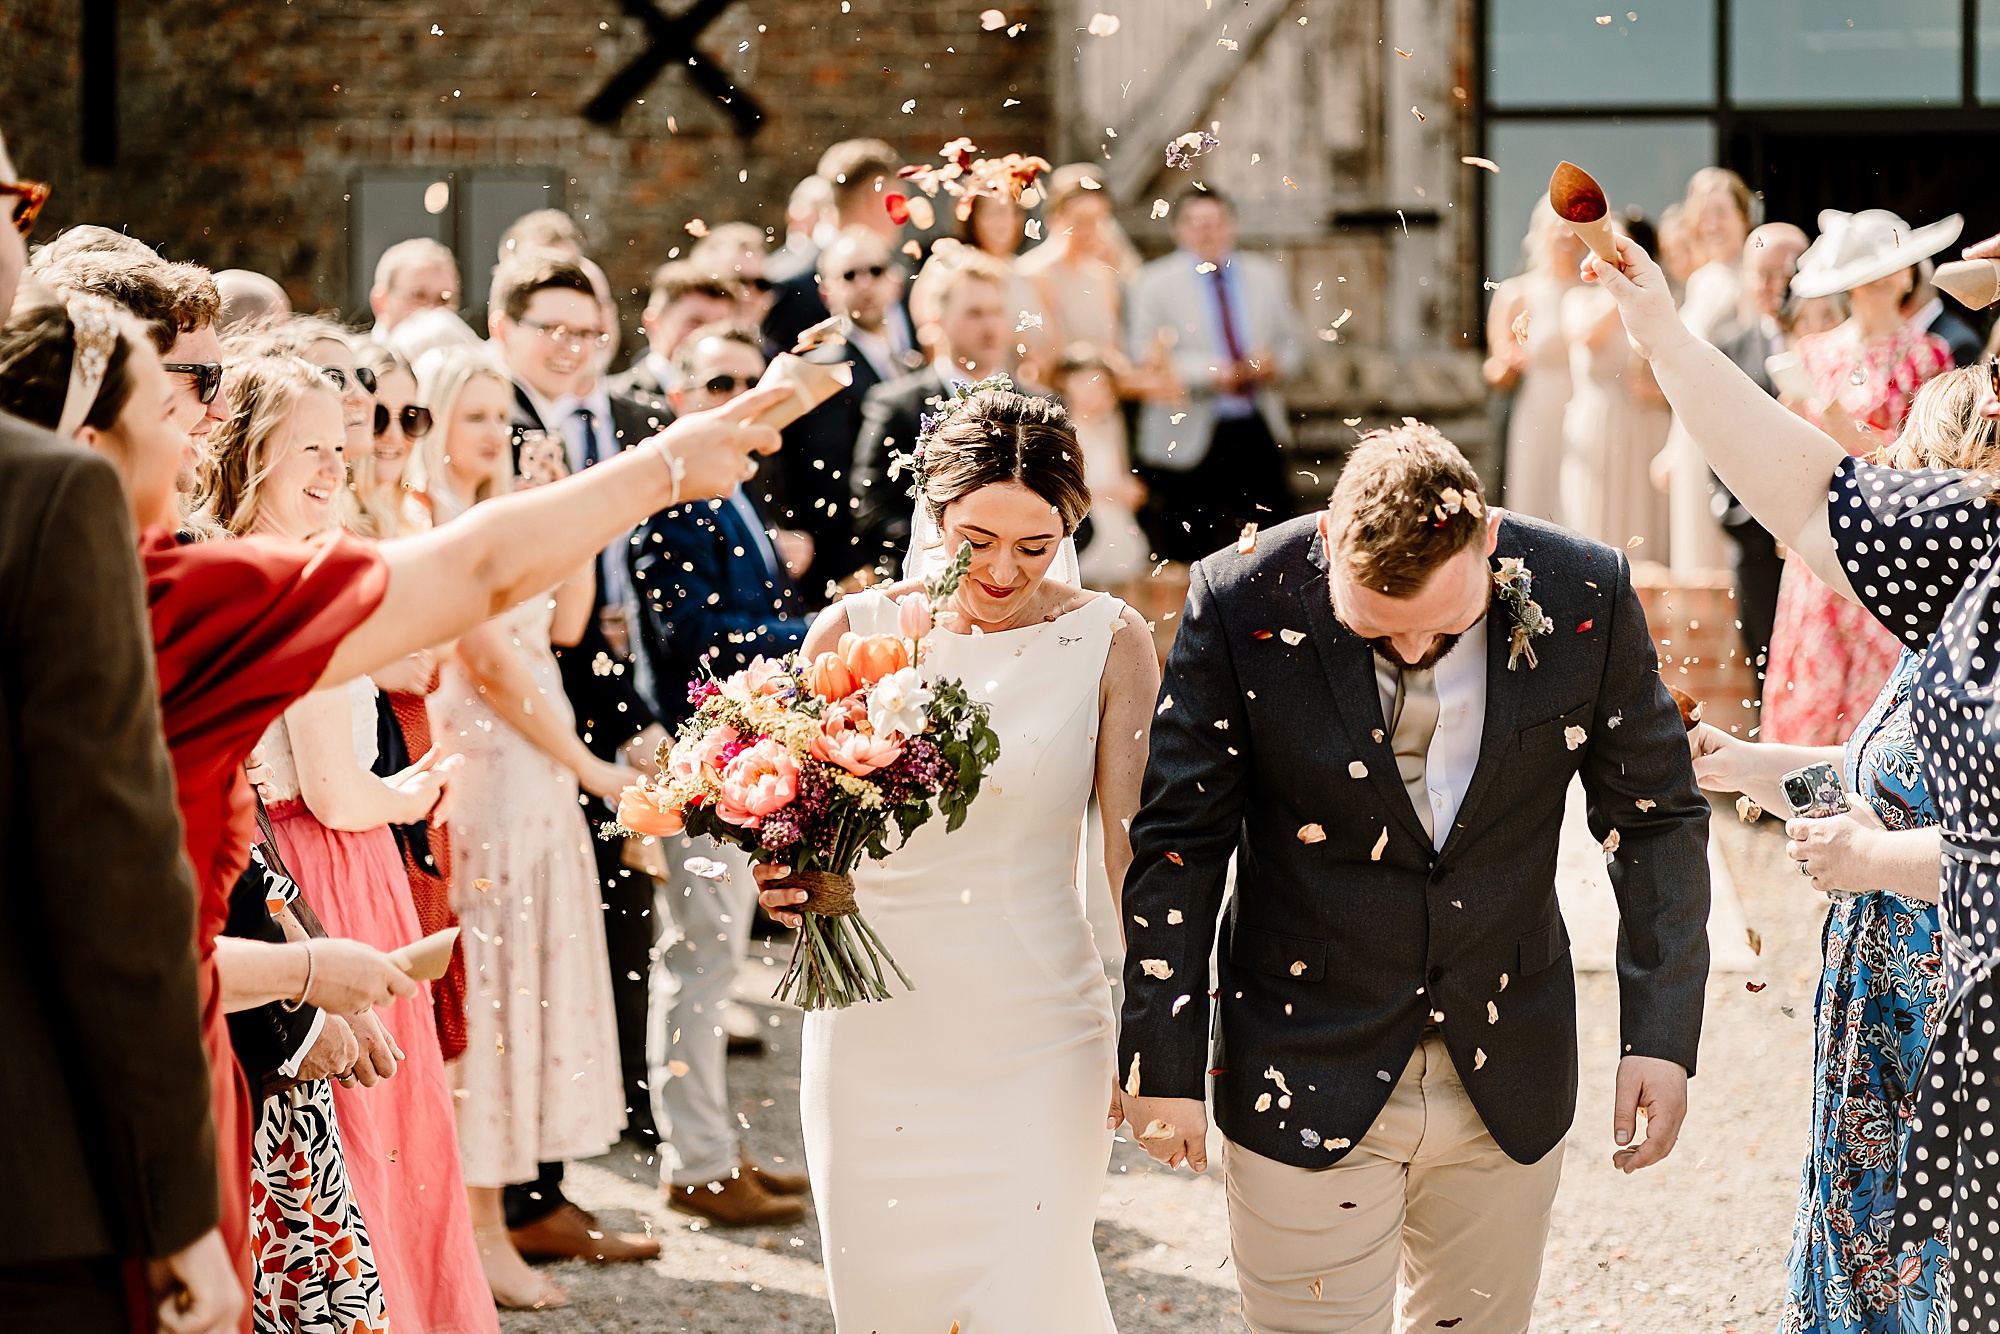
pixel 1407 502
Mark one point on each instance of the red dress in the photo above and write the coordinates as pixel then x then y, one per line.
pixel 241 630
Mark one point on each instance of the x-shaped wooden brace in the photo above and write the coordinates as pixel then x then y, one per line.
pixel 673 40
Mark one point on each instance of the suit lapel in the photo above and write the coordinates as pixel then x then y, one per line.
pixel 1348 662
pixel 1503 700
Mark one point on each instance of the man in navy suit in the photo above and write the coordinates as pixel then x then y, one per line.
pixel 862 284
pixel 713 593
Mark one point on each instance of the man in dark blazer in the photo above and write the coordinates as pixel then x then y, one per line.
pixel 961 312
pixel 862 174
pixel 109 1151
pixel 108 1155
pixel 1361 717
pixel 712 595
pixel 863 283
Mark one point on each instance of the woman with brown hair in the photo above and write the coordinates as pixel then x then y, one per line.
pixel 1012 1012
pixel 244 629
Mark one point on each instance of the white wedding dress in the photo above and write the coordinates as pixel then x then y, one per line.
pixel 955 1133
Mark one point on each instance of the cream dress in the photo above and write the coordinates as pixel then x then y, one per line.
pixel 1609 437
pixel 1535 426
pixel 540 1079
pixel 955 1134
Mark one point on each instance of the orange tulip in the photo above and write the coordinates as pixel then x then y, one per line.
pixel 830 679
pixel 872 657
pixel 639 812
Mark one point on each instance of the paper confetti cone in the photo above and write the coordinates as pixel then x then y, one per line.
pixel 1579 201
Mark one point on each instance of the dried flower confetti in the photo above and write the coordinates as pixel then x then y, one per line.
pixel 1311 833
pixel 1748 811
pixel 1292 637
pixel 992 20
pixel 1263 1103
pixel 1492 1013
pixel 1375 853
pixel 1174 917
pixel 1483 163
pixel 1520 328
pixel 1246 541
pixel 1314 1288
pixel 1132 1079
pixel 1157 1129
pixel 482 884
pixel 1103 25
pixel 1645 803
pixel 1175 858
pixel 921 213
pixel 1756 939
pixel 1356 769
pixel 1180 1002
pixel 1298 967
pixel 1610 846
pixel 1574 737
pixel 1418 114
pixel 1160 208
pixel 1158 968
pixel 1479 1058
pixel 697 228
pixel 1140 920
pixel 1754 987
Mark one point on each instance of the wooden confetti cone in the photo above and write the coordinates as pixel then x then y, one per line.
pixel 426 959
pixel 812 384
pixel 1974 283
pixel 1579 201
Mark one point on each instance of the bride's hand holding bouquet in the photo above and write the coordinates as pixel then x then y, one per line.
pixel 806 765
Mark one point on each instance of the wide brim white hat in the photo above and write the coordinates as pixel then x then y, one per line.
pixel 1854 249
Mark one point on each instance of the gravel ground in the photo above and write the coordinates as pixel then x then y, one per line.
pixel 1695 1244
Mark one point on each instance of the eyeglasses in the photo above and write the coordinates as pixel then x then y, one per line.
pixel 207 376
pixel 563 334
pixel 872 270
pixel 728 384
pixel 338 375
pixel 1992 369
pixel 29 196
pixel 414 420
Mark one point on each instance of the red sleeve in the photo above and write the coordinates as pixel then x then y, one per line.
pixel 243 628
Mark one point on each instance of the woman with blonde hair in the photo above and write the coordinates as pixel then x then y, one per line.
pixel 1528 356
pixel 1881 984
pixel 467 455
pixel 540 1081
pixel 386 504
pixel 274 469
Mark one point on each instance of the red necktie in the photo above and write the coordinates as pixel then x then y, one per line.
pixel 1229 338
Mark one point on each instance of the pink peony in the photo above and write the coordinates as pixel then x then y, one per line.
pixel 767 676
pixel 913 616
pixel 688 758
pixel 843 741
pixel 761 779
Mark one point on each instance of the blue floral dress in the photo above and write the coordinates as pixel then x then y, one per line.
pixel 1879 996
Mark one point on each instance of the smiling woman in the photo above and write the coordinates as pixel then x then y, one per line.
pixel 275 467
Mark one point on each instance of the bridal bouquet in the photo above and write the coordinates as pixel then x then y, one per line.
pixel 811 763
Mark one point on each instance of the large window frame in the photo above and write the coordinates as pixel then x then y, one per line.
pixel 1739 129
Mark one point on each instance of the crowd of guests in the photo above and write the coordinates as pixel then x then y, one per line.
pixel 1843 329
pixel 395 701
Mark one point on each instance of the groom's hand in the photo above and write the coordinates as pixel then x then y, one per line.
pixel 1661 1089
pixel 1173 1130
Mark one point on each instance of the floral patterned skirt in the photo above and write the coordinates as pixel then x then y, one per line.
pixel 1879 995
pixel 315 1271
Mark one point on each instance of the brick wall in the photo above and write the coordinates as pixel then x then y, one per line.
pixel 240 124
pixel 1693 620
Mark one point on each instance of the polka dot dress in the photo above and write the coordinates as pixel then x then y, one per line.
pixel 1919 548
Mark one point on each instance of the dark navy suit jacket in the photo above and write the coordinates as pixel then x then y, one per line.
pixel 707 597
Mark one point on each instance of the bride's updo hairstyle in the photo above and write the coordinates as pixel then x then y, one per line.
pixel 997 436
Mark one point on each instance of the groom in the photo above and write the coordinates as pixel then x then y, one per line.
pixel 1382 738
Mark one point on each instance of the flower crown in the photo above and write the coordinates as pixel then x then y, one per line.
pixel 931 423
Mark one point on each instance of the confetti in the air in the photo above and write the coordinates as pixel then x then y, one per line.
pixel 1375 853
pixel 992 20
pixel 1603 20
pixel 1404 54
pixel 1483 163
pixel 1748 811
pixel 1184 150
pixel 1418 114
pixel 1103 25
pixel 909 106
pixel 697 228
pixel 1227 43
pixel 1574 737
pixel 1160 207
pixel 1311 833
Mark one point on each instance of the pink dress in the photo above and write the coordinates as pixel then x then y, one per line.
pixel 1829 658
pixel 401 1143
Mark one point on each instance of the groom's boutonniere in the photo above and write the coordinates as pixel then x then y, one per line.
pixel 1514 586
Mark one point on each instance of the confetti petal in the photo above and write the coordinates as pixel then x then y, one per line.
pixel 697 228
pixel 1160 207
pixel 921 212
pixel 1483 163
pixel 1748 811
pixel 1179 1002
pixel 1159 968
pixel 1157 1129
pixel 1754 987
pixel 1175 858
pixel 1375 853
pixel 1292 637
pixel 1311 833
pixel 1174 917
pixel 1478 1058
pixel 1574 737
pixel 1756 939
pixel 1246 541
pixel 1103 25
pixel 992 20
pixel 1645 803
pixel 1132 1079
pixel 1263 1103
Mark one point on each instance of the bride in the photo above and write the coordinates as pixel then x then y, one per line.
pixel 956 1135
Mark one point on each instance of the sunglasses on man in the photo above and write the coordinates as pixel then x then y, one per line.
pixel 207 376
pixel 338 375
pixel 413 420
pixel 28 197
pixel 728 384
pixel 872 270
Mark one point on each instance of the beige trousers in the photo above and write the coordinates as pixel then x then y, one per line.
pixel 1426 1202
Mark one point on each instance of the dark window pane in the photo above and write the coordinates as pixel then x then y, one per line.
pixel 1555 53
pixel 384 208
pixel 1989 50
pixel 1846 52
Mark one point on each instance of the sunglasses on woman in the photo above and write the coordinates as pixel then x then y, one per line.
pixel 415 421
pixel 207 376
pixel 28 197
pixel 362 375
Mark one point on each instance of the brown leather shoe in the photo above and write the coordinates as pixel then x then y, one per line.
pixel 777 1181
pixel 738 1200
pixel 571 1234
